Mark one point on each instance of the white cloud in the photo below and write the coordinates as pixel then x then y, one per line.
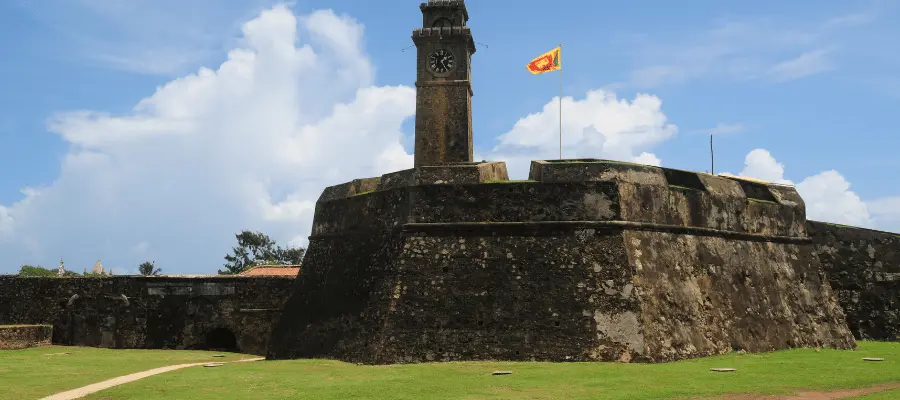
pixel 806 64
pixel 6 222
pixel 722 129
pixel 742 49
pixel 598 126
pixel 886 213
pixel 828 198
pixel 853 20
pixel 760 164
pixel 827 195
pixel 248 145
pixel 144 36
pixel 648 159
pixel 141 248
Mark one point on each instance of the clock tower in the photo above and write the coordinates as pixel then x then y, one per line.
pixel 443 84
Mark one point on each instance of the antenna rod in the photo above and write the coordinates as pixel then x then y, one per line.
pixel 712 156
pixel 560 103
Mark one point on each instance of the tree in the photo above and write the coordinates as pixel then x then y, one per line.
pixel 291 255
pixel 256 248
pixel 32 271
pixel 147 268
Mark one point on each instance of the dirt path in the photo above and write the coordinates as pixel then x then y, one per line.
pixel 96 387
pixel 811 395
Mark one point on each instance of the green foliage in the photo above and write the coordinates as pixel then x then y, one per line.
pixel 255 248
pixel 36 271
pixel 362 193
pixel 147 268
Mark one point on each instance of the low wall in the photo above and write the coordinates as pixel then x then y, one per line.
pixel 863 267
pixel 15 337
pixel 227 313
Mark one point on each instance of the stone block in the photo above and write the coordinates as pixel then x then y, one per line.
pixel 453 173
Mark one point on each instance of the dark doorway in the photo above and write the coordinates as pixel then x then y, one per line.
pixel 220 339
pixel 83 320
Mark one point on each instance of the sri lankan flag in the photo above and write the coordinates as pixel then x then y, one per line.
pixel 546 62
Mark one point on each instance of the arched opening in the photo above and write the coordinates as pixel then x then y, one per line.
pixel 442 22
pixel 219 339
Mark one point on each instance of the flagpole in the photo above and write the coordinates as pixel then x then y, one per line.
pixel 560 101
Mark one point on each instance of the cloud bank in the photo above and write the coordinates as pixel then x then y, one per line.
pixel 249 145
pixel 827 194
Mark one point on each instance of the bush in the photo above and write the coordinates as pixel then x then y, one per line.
pixel 36 271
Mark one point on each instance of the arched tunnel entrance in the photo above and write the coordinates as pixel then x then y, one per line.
pixel 219 339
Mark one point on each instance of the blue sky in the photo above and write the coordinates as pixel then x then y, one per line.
pixel 115 146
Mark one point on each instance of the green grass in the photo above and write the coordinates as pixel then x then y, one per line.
pixel 363 193
pixel 508 181
pixel 594 162
pixel 752 200
pixel 770 373
pixel 37 372
pixel 683 188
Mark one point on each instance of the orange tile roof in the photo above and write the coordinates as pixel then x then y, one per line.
pixel 273 270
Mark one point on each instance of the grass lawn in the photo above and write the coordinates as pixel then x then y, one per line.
pixel 41 371
pixel 771 373
pixel 885 395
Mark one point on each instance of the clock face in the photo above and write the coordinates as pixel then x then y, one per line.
pixel 441 61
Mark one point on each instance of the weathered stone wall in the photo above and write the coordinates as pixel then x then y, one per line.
pixel 863 267
pixel 16 337
pixel 149 312
pixel 587 261
pixel 705 295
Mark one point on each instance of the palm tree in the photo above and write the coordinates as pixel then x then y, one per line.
pixel 147 269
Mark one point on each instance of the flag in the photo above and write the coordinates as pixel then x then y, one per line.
pixel 546 62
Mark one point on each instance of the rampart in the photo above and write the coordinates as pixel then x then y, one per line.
pixel 589 260
pixel 16 337
pixel 863 267
pixel 226 313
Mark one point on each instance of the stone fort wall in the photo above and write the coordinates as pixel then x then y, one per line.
pixel 589 260
pixel 234 313
pixel 379 280
pixel 863 267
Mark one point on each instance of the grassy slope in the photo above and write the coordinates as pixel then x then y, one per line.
pixel 33 373
pixel 778 372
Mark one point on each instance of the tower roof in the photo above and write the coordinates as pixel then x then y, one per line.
pixel 98 268
pixel 461 4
